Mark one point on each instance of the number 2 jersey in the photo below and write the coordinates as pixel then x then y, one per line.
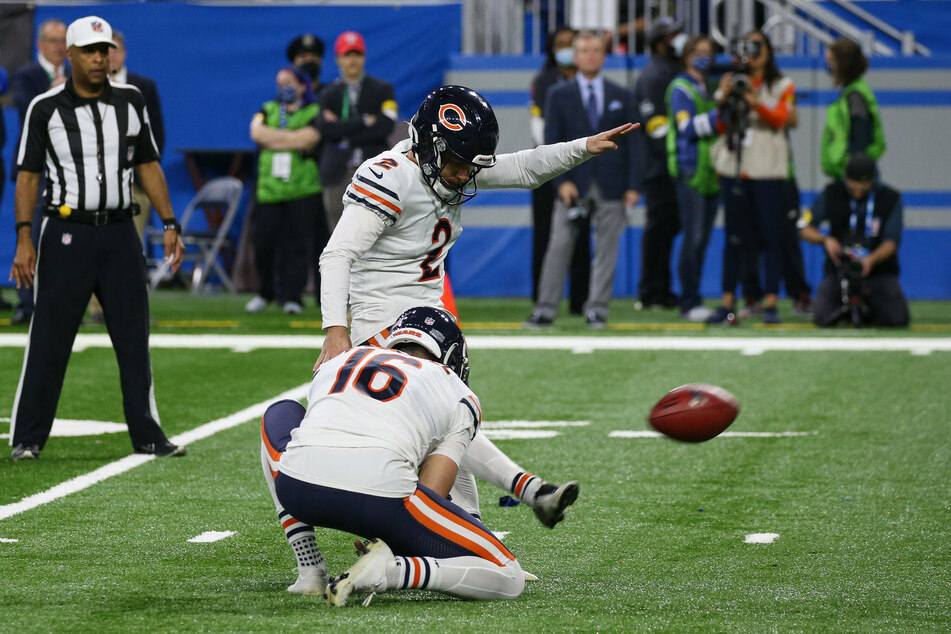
pixel 387 253
pixel 373 416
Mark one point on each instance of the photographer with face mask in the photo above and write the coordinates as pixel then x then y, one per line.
pixel 753 164
pixel 861 269
pixel 288 195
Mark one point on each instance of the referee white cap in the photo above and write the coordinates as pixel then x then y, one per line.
pixel 89 30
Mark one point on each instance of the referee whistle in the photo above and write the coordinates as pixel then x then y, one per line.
pixel 64 211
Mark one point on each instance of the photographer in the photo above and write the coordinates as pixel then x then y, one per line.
pixel 752 159
pixel 861 270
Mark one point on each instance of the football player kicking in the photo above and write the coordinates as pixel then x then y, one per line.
pixel 375 455
pixel 402 214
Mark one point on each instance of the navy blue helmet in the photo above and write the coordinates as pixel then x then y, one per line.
pixel 454 121
pixel 436 330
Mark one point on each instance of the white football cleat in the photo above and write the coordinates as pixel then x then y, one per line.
pixel 369 573
pixel 529 576
pixel 310 581
pixel 551 502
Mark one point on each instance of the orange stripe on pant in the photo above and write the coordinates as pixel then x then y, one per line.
pixel 457 538
pixel 274 453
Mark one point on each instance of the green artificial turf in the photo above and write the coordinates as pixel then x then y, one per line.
pixel 654 543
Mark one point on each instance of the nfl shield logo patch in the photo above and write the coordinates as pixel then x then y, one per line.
pixel 130 153
pixel 429 321
pixel 67 239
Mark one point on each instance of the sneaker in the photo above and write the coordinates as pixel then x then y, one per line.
pixel 771 316
pixel 802 306
pixel 292 308
pixel 537 321
pixel 724 316
pixel 551 502
pixel 596 321
pixel 310 581
pixel 697 314
pixel 162 449
pixel 25 452
pixel 750 309
pixel 21 316
pixel 256 304
pixel 369 573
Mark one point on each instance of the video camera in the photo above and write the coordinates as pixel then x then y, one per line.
pixel 735 111
pixel 852 284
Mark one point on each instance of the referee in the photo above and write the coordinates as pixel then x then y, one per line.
pixel 89 136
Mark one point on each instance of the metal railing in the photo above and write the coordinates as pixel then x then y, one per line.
pixel 800 27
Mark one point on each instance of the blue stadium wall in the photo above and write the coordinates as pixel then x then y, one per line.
pixel 215 66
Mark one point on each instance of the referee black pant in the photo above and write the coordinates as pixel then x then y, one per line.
pixel 73 262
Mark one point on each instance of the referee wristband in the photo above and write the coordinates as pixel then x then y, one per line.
pixel 20 225
pixel 172 225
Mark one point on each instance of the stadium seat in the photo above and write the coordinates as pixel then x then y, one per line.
pixel 203 247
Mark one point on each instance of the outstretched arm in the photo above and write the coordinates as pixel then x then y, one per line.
pixel 528 169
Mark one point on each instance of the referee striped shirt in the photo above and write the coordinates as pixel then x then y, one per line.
pixel 88 146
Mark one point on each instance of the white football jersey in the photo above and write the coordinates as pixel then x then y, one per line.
pixel 373 415
pixel 404 267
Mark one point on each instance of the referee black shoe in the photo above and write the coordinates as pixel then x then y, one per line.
pixel 25 452
pixel 162 449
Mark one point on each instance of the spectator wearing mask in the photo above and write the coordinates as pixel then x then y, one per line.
pixel 652 179
pixel 694 119
pixel 559 67
pixel 288 191
pixel 307 53
pixel 853 123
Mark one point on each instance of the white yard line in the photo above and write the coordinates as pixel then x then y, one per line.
pixel 129 462
pixel 210 536
pixel 747 345
pixel 761 538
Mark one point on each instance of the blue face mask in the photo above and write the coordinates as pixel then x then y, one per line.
pixel 286 94
pixel 565 56
pixel 701 63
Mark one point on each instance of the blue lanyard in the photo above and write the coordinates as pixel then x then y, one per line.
pixel 854 218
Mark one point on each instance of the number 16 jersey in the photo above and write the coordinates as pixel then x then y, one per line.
pixel 373 416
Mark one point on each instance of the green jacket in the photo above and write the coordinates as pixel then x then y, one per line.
pixel 303 177
pixel 835 137
pixel 704 179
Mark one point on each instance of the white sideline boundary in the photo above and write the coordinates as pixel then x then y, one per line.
pixel 748 345
pixel 122 465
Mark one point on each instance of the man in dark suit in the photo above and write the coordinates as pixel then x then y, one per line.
pixel 48 71
pixel 359 113
pixel 602 189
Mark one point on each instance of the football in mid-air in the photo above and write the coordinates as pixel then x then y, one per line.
pixel 694 413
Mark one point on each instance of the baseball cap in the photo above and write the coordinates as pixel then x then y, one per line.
pixel 860 168
pixel 89 30
pixel 350 41
pixel 306 43
pixel 661 28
